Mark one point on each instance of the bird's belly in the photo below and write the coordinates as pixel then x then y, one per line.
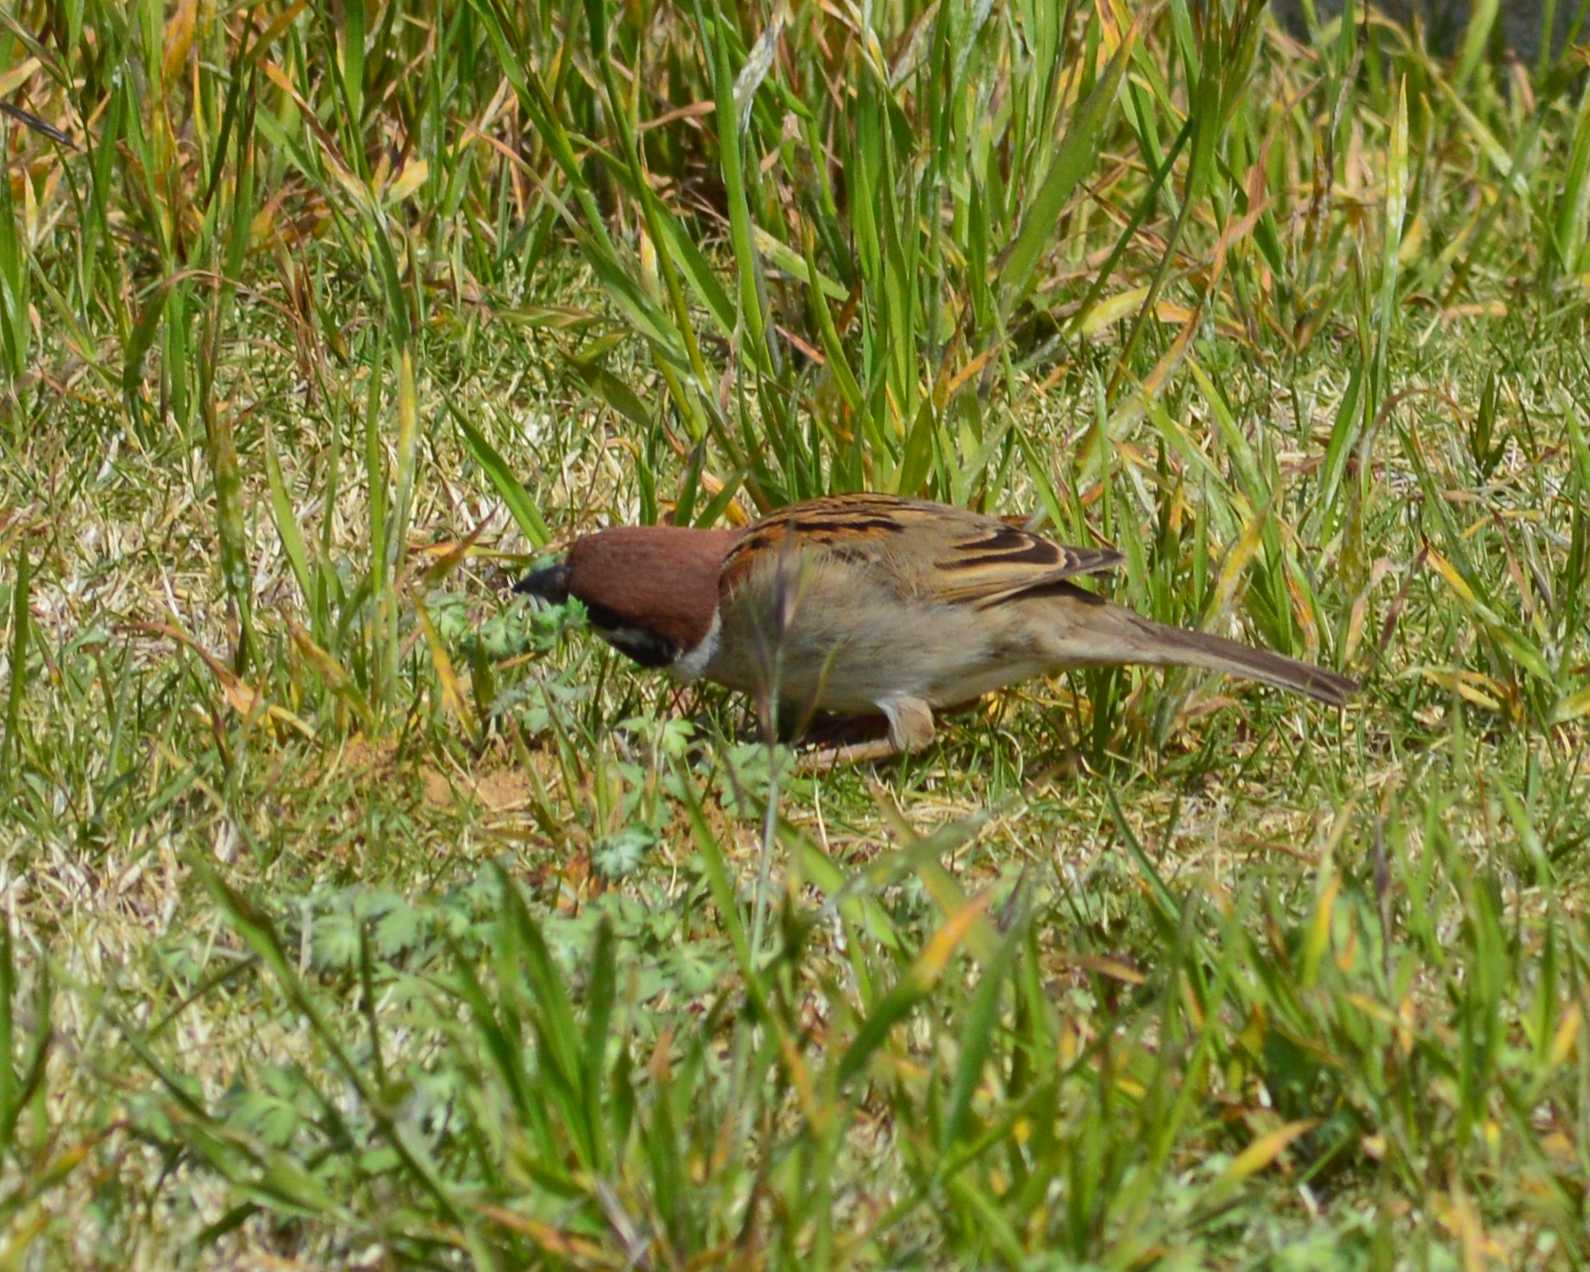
pixel 835 653
pixel 970 681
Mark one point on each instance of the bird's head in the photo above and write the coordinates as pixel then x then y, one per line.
pixel 650 591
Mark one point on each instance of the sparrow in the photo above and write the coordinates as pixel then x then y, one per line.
pixel 870 604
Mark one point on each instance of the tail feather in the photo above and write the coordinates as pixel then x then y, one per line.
pixel 1174 646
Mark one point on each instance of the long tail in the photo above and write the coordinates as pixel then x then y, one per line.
pixel 1176 647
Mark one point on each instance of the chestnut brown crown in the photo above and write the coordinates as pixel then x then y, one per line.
pixel 651 590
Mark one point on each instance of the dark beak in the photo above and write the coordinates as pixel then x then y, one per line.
pixel 550 584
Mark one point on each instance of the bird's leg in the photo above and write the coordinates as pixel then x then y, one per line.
pixel 910 729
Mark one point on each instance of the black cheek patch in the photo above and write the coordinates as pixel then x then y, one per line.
pixel 648 648
pixel 601 616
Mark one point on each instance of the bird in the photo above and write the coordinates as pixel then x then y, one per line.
pixel 872 604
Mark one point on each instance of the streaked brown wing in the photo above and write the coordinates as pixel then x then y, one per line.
pixel 860 528
pixel 1008 561
pixel 955 556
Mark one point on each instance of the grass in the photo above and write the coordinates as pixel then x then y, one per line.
pixel 357 916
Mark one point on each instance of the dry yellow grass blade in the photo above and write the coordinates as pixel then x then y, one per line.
pixel 1264 1150
pixel 242 697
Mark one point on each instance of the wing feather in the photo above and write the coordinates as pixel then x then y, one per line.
pixel 935 551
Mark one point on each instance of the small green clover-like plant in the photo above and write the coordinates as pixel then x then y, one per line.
pixel 676 737
pixel 274 1107
pixel 524 626
pixel 449 614
pixel 694 968
pixel 623 852
pixel 533 702
pixel 395 926
pixel 742 784
pixel 336 939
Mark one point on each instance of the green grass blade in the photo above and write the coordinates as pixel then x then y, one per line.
pixel 508 487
